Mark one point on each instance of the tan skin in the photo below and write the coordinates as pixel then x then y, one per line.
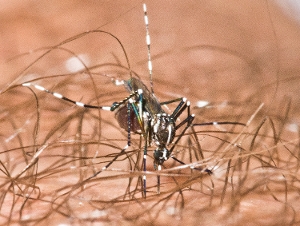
pixel 244 54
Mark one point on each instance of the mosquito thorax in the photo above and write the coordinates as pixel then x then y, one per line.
pixel 163 129
pixel 162 135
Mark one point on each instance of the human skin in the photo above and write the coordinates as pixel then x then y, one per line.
pixel 243 54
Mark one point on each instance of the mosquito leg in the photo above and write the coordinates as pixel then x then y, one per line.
pixel 113 107
pixel 128 124
pixel 158 179
pixel 108 165
pixel 144 168
pixel 195 168
pixel 171 101
pixel 188 120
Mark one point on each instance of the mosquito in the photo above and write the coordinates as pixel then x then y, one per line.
pixel 141 112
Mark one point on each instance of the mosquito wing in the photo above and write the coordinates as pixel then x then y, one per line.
pixel 151 104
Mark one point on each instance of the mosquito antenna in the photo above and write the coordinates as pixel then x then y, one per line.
pixel 148 46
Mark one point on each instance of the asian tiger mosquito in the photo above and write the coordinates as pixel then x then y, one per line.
pixel 141 112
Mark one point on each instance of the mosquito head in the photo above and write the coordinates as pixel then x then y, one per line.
pixel 161 154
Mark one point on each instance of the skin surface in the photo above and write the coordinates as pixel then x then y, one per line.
pixel 234 56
